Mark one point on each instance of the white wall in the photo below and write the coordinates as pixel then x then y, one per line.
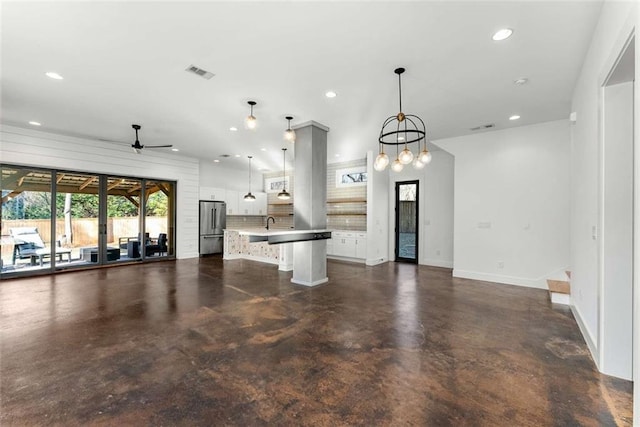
pixel 511 203
pixel 616 21
pixel 377 214
pixel 28 147
pixel 435 210
pixel 219 175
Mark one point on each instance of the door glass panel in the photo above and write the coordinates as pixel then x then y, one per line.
pixel 26 243
pixel 159 218
pixel 77 205
pixel 123 219
pixel 407 214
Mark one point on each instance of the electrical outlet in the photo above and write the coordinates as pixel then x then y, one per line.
pixel 438 252
pixel 500 264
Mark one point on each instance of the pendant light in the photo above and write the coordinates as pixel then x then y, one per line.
pixel 289 134
pixel 251 122
pixel 249 197
pixel 284 194
pixel 402 129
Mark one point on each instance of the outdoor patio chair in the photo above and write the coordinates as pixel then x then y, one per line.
pixel 29 244
pixel 159 247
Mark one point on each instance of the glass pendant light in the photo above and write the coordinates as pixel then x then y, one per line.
pixel 284 194
pixel 417 164
pixel 381 162
pixel 397 166
pixel 406 156
pixel 425 156
pixel 249 197
pixel 289 134
pixel 251 122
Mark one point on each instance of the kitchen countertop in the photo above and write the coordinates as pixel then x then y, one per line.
pixel 277 236
pixel 277 232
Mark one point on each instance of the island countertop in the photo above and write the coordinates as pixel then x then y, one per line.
pixel 277 236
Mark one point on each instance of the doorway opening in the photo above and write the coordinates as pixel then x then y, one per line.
pixel 406 229
pixel 616 218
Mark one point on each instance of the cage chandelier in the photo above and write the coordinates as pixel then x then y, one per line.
pixel 402 129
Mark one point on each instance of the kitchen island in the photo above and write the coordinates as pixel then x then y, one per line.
pixel 273 246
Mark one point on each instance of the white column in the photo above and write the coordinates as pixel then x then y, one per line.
pixel 310 203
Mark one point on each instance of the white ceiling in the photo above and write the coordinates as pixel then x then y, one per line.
pixel 124 63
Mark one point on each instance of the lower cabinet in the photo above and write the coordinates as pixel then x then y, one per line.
pixel 348 244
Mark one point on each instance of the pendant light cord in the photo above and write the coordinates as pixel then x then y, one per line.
pixel 400 90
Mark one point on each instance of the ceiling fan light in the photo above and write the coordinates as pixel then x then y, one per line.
pixel 406 156
pixel 397 166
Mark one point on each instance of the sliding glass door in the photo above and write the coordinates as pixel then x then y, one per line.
pixel 53 220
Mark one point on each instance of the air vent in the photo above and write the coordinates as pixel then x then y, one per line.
pixel 199 72
pixel 483 127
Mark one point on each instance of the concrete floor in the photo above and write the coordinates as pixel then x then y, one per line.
pixel 212 342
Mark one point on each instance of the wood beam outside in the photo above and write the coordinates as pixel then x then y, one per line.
pixel 115 184
pixel 87 182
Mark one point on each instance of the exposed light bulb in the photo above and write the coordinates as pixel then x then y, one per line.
pixel 290 135
pixel 417 164
pixel 382 161
pixel 424 157
pixel 406 156
pixel 251 122
pixel 396 166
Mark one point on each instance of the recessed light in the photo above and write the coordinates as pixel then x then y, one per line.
pixel 233 129
pixel 237 155
pixel 216 161
pixel 175 149
pixel 32 123
pixel 514 117
pixel 54 75
pixel 330 94
pixel 521 81
pixel 502 34
pixel 263 149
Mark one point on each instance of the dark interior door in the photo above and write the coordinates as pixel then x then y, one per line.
pixel 407 221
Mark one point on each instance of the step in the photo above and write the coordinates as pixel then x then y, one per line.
pixel 560 291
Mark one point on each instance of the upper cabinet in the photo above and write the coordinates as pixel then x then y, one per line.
pixel 212 193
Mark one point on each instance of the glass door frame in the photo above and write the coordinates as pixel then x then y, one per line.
pixel 398 258
pixel 55 266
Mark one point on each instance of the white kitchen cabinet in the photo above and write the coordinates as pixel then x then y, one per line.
pixel 348 244
pixel 212 193
pixel 231 197
pixel 256 207
pixel 260 205
pixel 361 245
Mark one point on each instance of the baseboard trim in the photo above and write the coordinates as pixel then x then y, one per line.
pixel 586 334
pixel 314 283
pixel 437 263
pixel 376 261
pixel 506 280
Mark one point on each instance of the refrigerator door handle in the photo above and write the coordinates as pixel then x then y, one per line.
pixel 213 219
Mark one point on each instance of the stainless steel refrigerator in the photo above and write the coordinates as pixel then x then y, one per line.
pixel 213 220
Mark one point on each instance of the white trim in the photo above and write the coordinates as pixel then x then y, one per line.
pixel 376 261
pixel 496 278
pixel 346 258
pixel 314 283
pixel 586 334
pixel 437 263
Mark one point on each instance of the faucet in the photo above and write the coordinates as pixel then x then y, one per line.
pixel 274 221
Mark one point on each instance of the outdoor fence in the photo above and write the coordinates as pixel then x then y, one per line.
pixel 84 231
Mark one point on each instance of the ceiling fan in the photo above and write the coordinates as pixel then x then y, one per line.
pixel 137 147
